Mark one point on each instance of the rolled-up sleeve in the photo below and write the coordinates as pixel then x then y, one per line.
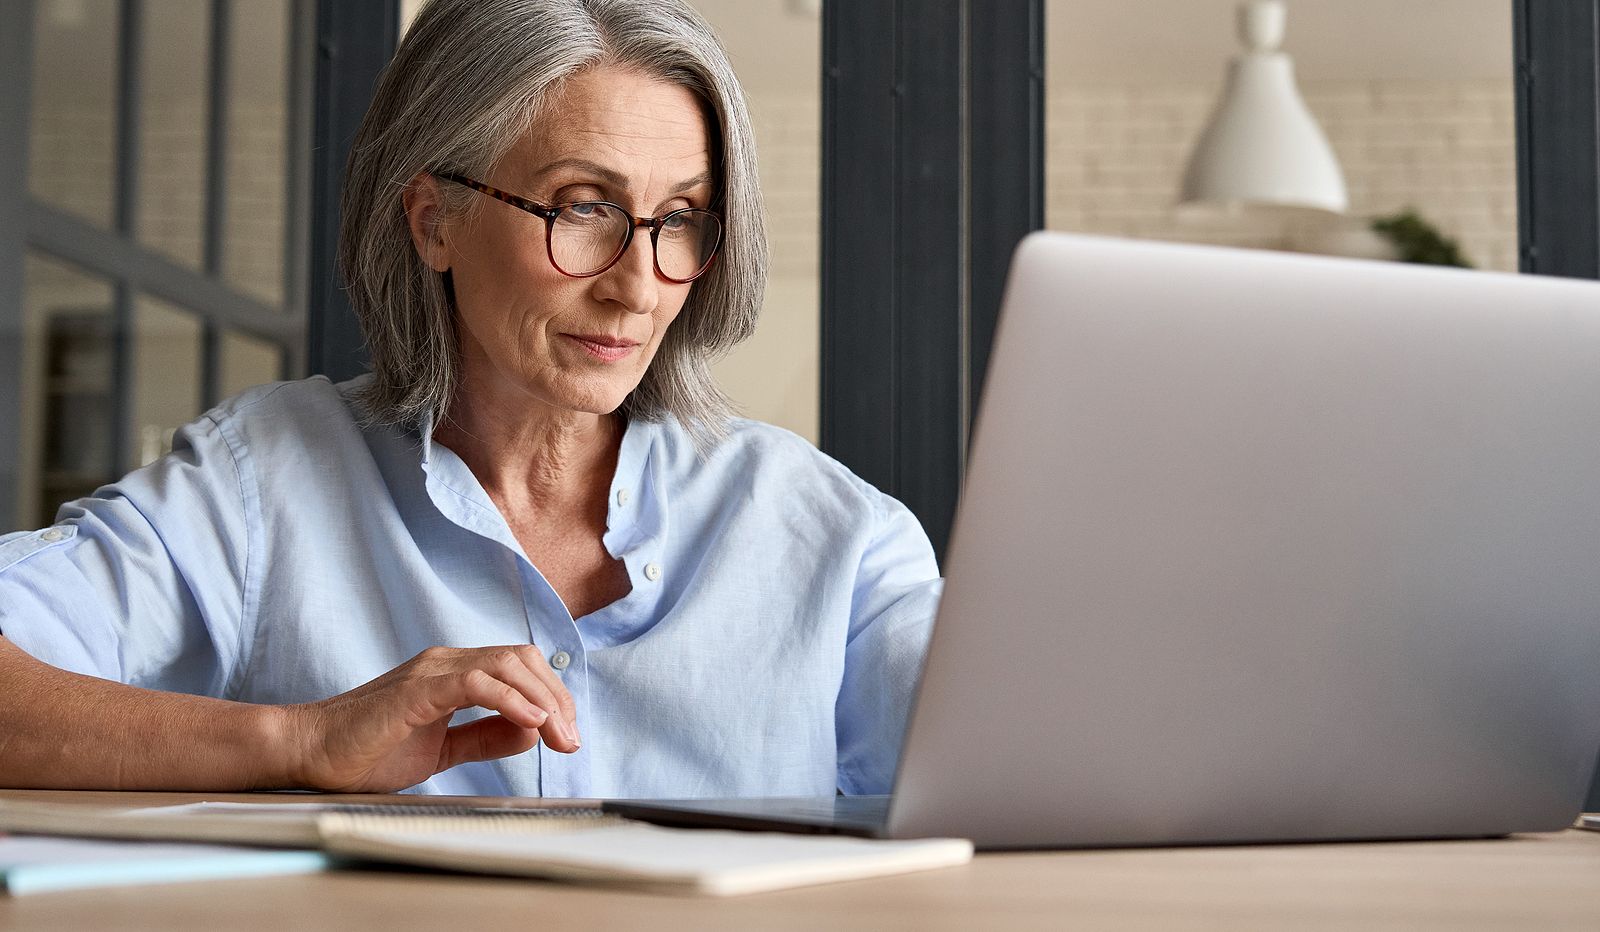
pixel 144 582
pixel 896 596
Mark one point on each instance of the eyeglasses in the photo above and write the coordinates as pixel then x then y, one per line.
pixel 586 238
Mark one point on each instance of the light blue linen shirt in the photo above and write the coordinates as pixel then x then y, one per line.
pixel 284 552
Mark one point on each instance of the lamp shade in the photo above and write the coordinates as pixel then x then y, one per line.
pixel 1261 145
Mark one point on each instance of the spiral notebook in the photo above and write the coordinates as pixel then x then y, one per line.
pixel 570 844
pixel 612 850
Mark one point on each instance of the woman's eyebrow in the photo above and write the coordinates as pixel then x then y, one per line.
pixel 612 177
pixel 704 178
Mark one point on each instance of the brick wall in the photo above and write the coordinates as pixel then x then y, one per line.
pixel 1116 155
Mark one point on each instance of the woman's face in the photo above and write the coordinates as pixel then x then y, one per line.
pixel 529 332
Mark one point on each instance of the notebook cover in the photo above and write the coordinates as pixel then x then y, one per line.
pixel 706 861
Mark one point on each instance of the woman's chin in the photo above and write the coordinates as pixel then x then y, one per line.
pixel 598 400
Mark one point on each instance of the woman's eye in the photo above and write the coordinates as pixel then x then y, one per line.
pixel 586 209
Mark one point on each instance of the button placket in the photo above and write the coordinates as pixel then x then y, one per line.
pixel 562 774
pixel 553 630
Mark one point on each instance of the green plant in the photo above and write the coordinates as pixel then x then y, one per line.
pixel 1417 240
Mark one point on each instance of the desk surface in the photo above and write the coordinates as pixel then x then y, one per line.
pixel 1524 882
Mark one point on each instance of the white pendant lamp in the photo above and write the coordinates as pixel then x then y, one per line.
pixel 1262 146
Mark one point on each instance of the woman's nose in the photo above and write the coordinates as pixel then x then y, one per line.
pixel 631 282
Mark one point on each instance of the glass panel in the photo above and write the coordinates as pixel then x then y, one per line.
pixel 72 120
pixel 174 88
pixel 248 361
pixel 776 46
pixel 167 358
pixel 68 399
pixel 1416 101
pixel 257 154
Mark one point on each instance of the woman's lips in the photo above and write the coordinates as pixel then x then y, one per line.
pixel 603 348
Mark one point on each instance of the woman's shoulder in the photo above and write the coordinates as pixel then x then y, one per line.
pixel 742 441
pixel 313 398
pixel 768 458
pixel 303 412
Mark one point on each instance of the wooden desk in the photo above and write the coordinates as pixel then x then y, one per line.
pixel 1526 882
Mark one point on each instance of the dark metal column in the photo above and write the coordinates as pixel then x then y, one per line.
pixel 354 42
pixel 915 238
pixel 1007 189
pixel 860 113
pixel 16 76
pixel 1558 148
pixel 216 202
pixel 299 132
pixel 1558 136
pixel 130 50
pixel 928 430
pixel 893 308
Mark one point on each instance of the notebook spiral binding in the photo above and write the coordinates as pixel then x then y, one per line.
pixel 387 818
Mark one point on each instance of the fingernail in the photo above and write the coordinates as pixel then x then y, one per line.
pixel 539 716
pixel 571 733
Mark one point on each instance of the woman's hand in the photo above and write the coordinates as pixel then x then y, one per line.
pixel 394 732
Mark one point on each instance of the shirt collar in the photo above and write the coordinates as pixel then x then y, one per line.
pixel 636 502
pixel 636 515
pixel 457 493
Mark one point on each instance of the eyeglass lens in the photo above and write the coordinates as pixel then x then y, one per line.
pixel 586 238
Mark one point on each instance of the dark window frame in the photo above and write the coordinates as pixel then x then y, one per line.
pixel 113 253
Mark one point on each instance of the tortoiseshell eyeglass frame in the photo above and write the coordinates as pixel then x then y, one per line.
pixel 551 213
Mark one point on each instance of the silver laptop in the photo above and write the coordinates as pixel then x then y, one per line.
pixel 1259 547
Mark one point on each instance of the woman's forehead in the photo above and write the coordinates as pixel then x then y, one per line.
pixel 625 122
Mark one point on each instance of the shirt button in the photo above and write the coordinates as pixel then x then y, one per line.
pixel 55 534
pixel 652 571
pixel 560 659
pixel 622 497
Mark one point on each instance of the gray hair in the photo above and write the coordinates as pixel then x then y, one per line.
pixel 464 86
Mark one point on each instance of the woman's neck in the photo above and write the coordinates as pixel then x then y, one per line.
pixel 530 458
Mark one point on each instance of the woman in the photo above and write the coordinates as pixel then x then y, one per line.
pixel 530 553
